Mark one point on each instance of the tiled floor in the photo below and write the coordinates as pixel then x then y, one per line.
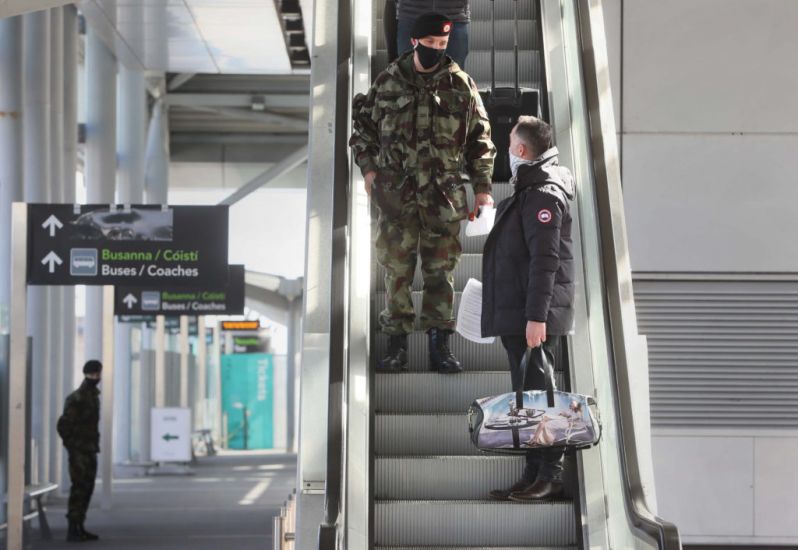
pixel 227 504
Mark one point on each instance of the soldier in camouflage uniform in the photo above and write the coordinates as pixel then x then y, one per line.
pixel 78 428
pixel 420 126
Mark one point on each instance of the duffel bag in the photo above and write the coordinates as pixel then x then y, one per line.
pixel 515 422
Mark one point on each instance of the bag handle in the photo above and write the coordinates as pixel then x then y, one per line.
pixel 548 374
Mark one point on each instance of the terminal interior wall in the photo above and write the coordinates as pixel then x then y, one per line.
pixel 708 128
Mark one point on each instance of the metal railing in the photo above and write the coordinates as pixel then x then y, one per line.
pixel 285 525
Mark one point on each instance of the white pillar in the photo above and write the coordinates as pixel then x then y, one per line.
pixel 100 161
pixel 157 161
pixel 184 357
pixel 36 143
pixel 70 168
pixel 131 137
pixel 201 397
pixel 10 148
pixel 55 318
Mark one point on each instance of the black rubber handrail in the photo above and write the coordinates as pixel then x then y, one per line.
pixel 328 531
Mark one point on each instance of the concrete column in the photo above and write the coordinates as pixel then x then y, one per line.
pixel 100 161
pixel 70 41
pixel 157 162
pixel 57 182
pixel 201 397
pixel 131 139
pixel 10 148
pixel 36 143
pixel 10 188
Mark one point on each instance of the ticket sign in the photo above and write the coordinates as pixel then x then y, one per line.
pixel 240 325
pixel 225 299
pixel 127 245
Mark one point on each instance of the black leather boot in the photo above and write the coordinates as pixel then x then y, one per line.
pixel 74 533
pixel 396 360
pixel 86 534
pixel 441 358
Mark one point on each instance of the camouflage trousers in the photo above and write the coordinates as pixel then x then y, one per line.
pixel 419 232
pixel 82 471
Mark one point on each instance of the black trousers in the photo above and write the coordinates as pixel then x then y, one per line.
pixel 542 464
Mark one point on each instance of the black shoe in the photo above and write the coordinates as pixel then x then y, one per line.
pixel 504 494
pixel 87 535
pixel 396 360
pixel 441 358
pixel 74 533
pixel 540 490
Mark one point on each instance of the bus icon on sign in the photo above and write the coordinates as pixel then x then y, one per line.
pixel 83 262
pixel 151 300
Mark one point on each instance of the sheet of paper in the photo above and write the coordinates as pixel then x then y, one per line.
pixel 482 224
pixel 469 316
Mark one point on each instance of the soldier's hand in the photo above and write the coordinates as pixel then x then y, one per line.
pixel 535 333
pixel 369 181
pixel 483 199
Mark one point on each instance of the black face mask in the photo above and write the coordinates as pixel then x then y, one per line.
pixel 429 57
pixel 92 383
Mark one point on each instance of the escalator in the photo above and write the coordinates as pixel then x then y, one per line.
pixel 401 472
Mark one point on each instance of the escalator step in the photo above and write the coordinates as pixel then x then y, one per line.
pixel 473 356
pixel 527 9
pixel 423 434
pixel 430 392
pixel 475 548
pixel 453 477
pixel 473 523
pixel 479 35
pixel 444 477
pixel 530 72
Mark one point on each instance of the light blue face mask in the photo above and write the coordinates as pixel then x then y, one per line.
pixel 515 162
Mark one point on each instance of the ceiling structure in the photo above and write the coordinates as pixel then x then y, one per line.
pixel 237 71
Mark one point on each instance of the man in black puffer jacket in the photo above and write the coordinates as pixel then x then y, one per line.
pixel 528 281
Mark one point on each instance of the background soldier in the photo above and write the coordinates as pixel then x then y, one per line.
pixel 78 428
pixel 421 123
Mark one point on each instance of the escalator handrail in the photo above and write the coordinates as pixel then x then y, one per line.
pixel 616 267
pixel 335 479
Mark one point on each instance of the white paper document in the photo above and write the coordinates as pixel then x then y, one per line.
pixel 469 316
pixel 483 223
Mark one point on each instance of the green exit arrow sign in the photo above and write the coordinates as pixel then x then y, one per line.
pixel 169 437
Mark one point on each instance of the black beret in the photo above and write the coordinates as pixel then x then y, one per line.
pixel 431 24
pixel 92 367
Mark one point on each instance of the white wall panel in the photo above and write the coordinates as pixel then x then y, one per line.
pixel 711 203
pixel 711 66
pixel 705 484
pixel 776 487
pixel 612 25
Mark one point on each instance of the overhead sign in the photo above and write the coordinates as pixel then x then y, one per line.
pixel 170 435
pixel 250 343
pixel 224 299
pixel 135 245
pixel 240 325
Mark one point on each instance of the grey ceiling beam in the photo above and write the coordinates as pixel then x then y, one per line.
pixel 267 101
pixel 286 165
pixel 244 138
pixel 271 119
pixel 178 80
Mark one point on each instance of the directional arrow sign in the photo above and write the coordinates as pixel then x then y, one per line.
pixel 169 437
pixel 52 259
pixel 53 224
pixel 130 301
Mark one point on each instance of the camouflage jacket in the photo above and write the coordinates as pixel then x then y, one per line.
pixel 78 426
pixel 427 127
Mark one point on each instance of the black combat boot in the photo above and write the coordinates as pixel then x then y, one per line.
pixel 441 358
pixel 87 535
pixel 74 533
pixel 396 360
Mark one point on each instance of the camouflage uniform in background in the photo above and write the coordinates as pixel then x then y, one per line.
pixel 78 428
pixel 419 132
